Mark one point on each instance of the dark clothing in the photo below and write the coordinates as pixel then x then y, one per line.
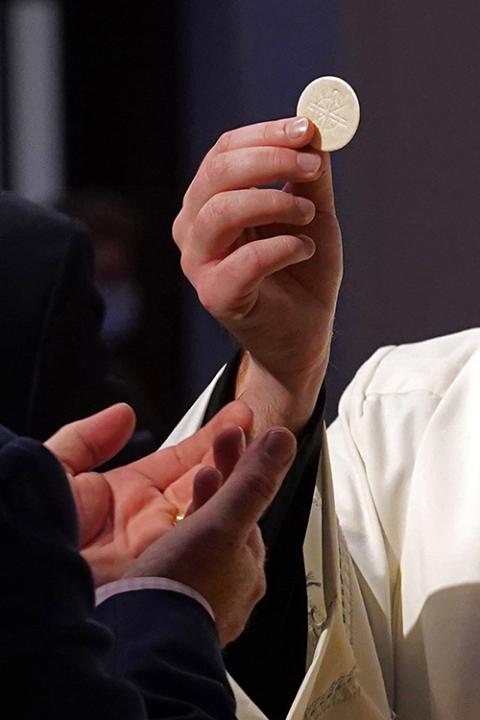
pixel 54 369
pixel 52 654
pixel 53 366
pixel 268 660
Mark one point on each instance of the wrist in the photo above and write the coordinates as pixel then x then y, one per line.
pixel 279 398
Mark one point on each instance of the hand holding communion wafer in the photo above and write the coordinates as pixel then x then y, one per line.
pixel 267 263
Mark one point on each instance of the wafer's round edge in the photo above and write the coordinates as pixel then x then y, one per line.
pixel 332 105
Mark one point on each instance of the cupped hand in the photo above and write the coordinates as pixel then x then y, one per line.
pixel 122 511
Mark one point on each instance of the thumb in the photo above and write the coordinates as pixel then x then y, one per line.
pixel 86 443
pixel 253 484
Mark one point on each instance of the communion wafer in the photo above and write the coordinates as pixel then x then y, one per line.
pixel 332 105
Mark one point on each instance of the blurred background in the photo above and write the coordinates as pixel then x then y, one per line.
pixel 107 108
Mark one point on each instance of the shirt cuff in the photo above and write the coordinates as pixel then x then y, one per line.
pixel 149 583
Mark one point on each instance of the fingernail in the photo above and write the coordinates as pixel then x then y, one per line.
pixel 309 244
pixel 306 208
pixel 296 128
pixel 278 445
pixel 309 162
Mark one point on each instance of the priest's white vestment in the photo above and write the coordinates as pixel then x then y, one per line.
pixel 394 585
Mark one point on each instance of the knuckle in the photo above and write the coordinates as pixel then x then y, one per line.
pixel 186 197
pixel 287 243
pixel 267 132
pixel 177 229
pixel 218 293
pixel 261 551
pixel 215 210
pixel 224 141
pixel 202 221
pixel 281 202
pixel 205 295
pixel 255 260
pixel 279 159
pixel 273 131
pixel 216 166
pixel 261 586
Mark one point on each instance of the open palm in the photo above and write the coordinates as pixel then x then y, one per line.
pixel 122 511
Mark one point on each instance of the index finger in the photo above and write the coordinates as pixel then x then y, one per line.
pixel 168 464
pixel 289 132
pixel 293 133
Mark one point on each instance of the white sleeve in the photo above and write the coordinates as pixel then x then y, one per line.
pixel 132 584
pixel 405 457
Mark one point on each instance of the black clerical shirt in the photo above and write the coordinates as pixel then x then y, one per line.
pixel 268 660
